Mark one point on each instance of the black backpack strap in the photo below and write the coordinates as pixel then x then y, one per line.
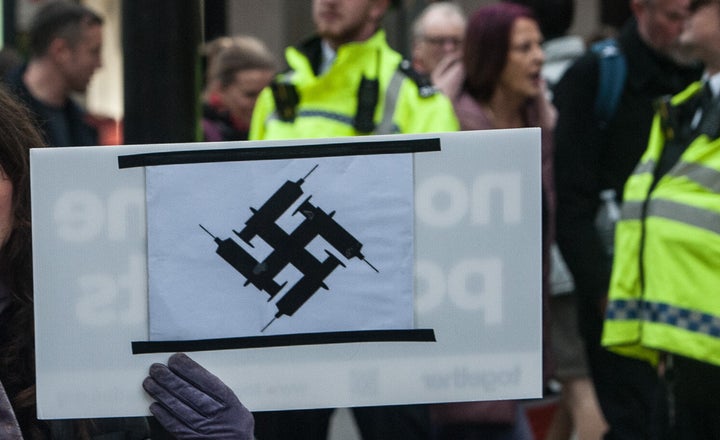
pixel 611 78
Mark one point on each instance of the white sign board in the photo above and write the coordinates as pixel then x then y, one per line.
pixel 475 327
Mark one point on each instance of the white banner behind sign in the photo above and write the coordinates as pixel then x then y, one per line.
pixel 477 286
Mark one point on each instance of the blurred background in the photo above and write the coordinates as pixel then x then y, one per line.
pixel 152 49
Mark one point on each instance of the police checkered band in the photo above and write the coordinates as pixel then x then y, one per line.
pixel 623 310
pixel 686 319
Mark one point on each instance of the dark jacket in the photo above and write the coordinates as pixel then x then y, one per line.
pixel 9 428
pixel 589 158
pixel 218 126
pixel 78 131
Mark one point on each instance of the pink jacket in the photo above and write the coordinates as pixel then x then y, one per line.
pixel 538 112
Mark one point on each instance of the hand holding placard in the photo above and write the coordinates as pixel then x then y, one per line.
pixel 192 403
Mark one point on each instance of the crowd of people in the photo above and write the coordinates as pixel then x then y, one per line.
pixel 633 342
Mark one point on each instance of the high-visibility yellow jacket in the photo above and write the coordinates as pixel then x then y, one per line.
pixel 665 285
pixel 327 104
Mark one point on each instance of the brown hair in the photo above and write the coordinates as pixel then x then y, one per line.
pixel 59 19
pixel 17 367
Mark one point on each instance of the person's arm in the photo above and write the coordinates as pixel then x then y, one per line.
pixel 579 146
pixel 192 403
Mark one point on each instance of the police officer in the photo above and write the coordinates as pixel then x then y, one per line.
pixel 596 152
pixel 664 303
pixel 347 81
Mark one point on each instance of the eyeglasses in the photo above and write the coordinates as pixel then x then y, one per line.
pixel 442 41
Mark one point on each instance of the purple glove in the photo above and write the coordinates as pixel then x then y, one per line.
pixel 192 403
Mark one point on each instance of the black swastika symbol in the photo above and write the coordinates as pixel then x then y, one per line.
pixel 289 248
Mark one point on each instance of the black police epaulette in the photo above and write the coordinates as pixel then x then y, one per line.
pixel 424 85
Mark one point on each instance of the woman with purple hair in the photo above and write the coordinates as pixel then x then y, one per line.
pixel 502 88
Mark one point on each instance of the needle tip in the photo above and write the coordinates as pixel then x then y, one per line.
pixel 268 324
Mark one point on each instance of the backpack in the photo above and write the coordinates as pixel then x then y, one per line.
pixel 611 82
pixel 611 79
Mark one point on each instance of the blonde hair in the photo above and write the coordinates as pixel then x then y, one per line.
pixel 244 53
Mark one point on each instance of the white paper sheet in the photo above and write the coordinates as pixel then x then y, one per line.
pixel 195 293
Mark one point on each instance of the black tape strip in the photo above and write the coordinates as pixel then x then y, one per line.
pixel 268 153
pixel 416 335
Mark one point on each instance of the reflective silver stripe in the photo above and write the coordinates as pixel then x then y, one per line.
pixel 700 174
pixel 386 125
pixel 272 117
pixel 631 210
pixel 690 215
pixel 686 319
pixel 392 92
pixel 644 167
pixel 679 212
pixel 336 117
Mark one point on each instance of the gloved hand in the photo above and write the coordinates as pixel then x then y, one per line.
pixel 192 403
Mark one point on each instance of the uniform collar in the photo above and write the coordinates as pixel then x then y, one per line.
pixel 309 56
pixel 328 55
